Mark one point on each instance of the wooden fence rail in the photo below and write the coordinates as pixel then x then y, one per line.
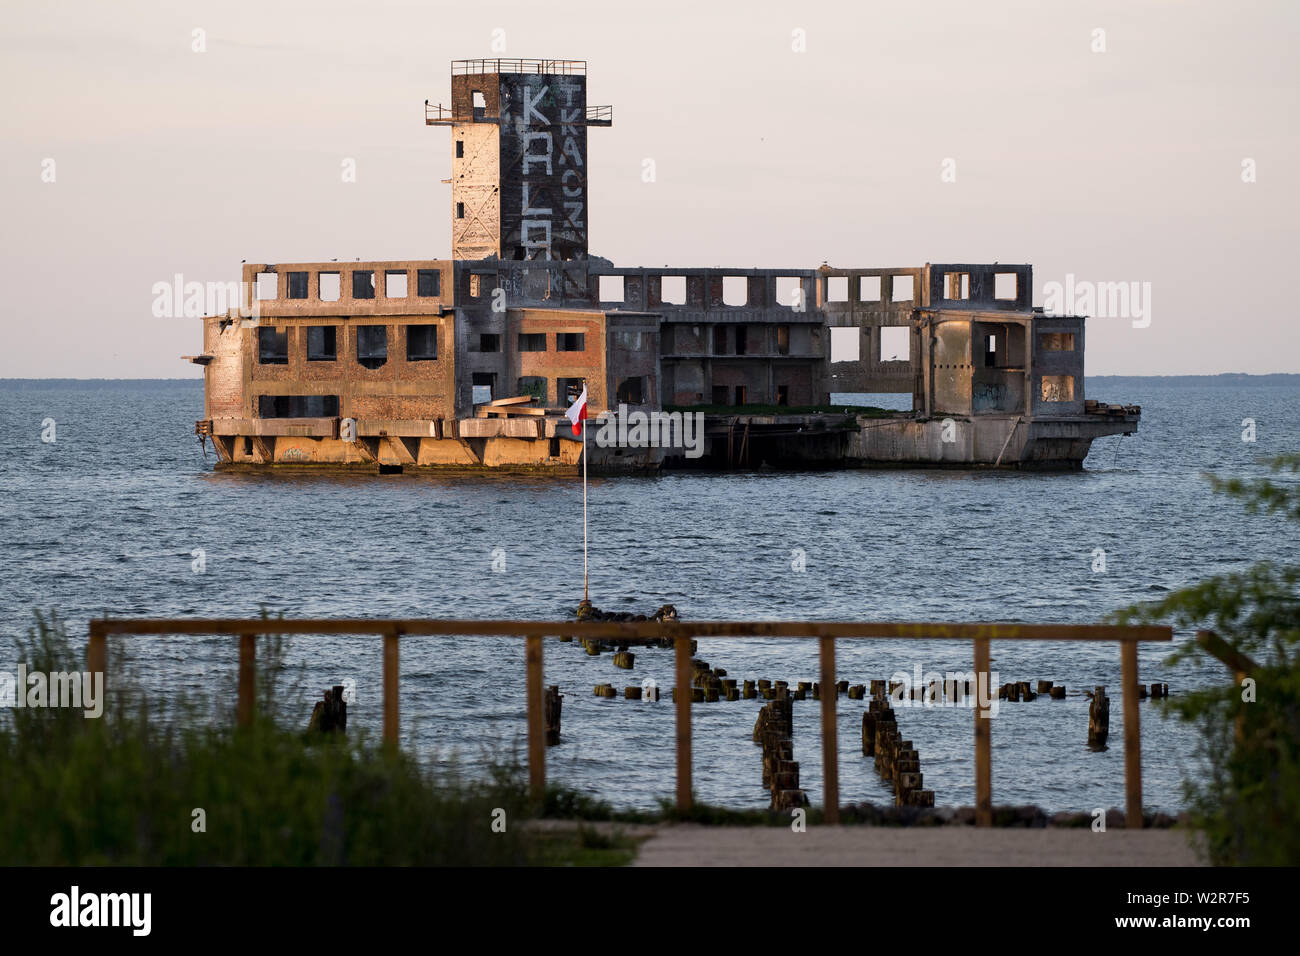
pixel 681 633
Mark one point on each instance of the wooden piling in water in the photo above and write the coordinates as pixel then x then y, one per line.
pixel 1099 718
pixel 774 731
pixel 330 715
pixel 551 714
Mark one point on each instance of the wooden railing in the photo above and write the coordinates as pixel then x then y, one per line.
pixel 681 633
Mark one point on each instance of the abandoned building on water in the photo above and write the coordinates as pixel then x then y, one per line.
pixel 469 362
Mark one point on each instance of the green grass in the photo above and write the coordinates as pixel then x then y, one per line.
pixel 124 790
pixel 582 846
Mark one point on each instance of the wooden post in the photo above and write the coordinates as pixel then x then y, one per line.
pixel 1132 737
pixel 536 719
pixel 390 688
pixel 830 750
pixel 97 655
pixel 682 689
pixel 1239 722
pixel 983 739
pixel 1241 667
pixel 247 680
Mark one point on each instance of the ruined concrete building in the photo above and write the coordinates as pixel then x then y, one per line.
pixel 468 362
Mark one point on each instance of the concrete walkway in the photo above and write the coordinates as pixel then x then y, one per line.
pixel 695 845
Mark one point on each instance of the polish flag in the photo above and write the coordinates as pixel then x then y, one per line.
pixel 577 412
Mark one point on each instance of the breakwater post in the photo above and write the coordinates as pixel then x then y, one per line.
pixel 551 713
pixel 1099 719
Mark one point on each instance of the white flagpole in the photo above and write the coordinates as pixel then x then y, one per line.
pixel 584 509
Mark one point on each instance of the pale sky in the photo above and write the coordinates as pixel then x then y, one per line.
pixel 1117 166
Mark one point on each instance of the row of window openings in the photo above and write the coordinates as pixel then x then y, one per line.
pixel 735 289
pixel 739 395
pixel 532 342
pixel 328 284
pixel 955 286
pixel 372 344
pixel 629 391
pixel 740 340
pixel 895 344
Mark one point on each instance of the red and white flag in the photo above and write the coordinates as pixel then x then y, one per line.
pixel 577 412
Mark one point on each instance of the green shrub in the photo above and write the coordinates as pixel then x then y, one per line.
pixel 122 789
pixel 1248 804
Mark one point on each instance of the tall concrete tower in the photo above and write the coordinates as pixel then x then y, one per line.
pixel 519 157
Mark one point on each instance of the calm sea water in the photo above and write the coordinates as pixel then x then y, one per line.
pixel 105 520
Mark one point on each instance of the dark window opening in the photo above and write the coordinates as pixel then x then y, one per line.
pixel 570 341
pixel 630 391
pixel 322 343
pixel 533 385
pixel 720 395
pixel 272 346
pixel 783 394
pixel 460 148
pixel 297 285
pixel 248 448
pixel 363 285
pixel 554 449
pixel 372 345
pixel 720 341
pixel 740 395
pixel 460 210
pixel 783 340
pixel 532 341
pixel 741 340
pixel 567 390
pixel 426 283
pixel 421 343
pixel 489 342
pixel 297 406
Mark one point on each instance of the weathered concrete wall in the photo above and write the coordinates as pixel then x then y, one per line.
pixel 950 367
pixel 475 192
pixel 398 389
pixel 1062 367
pixel 869 300
pixel 544 166
pixel 346 304
pixel 632 353
pixel 552 364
